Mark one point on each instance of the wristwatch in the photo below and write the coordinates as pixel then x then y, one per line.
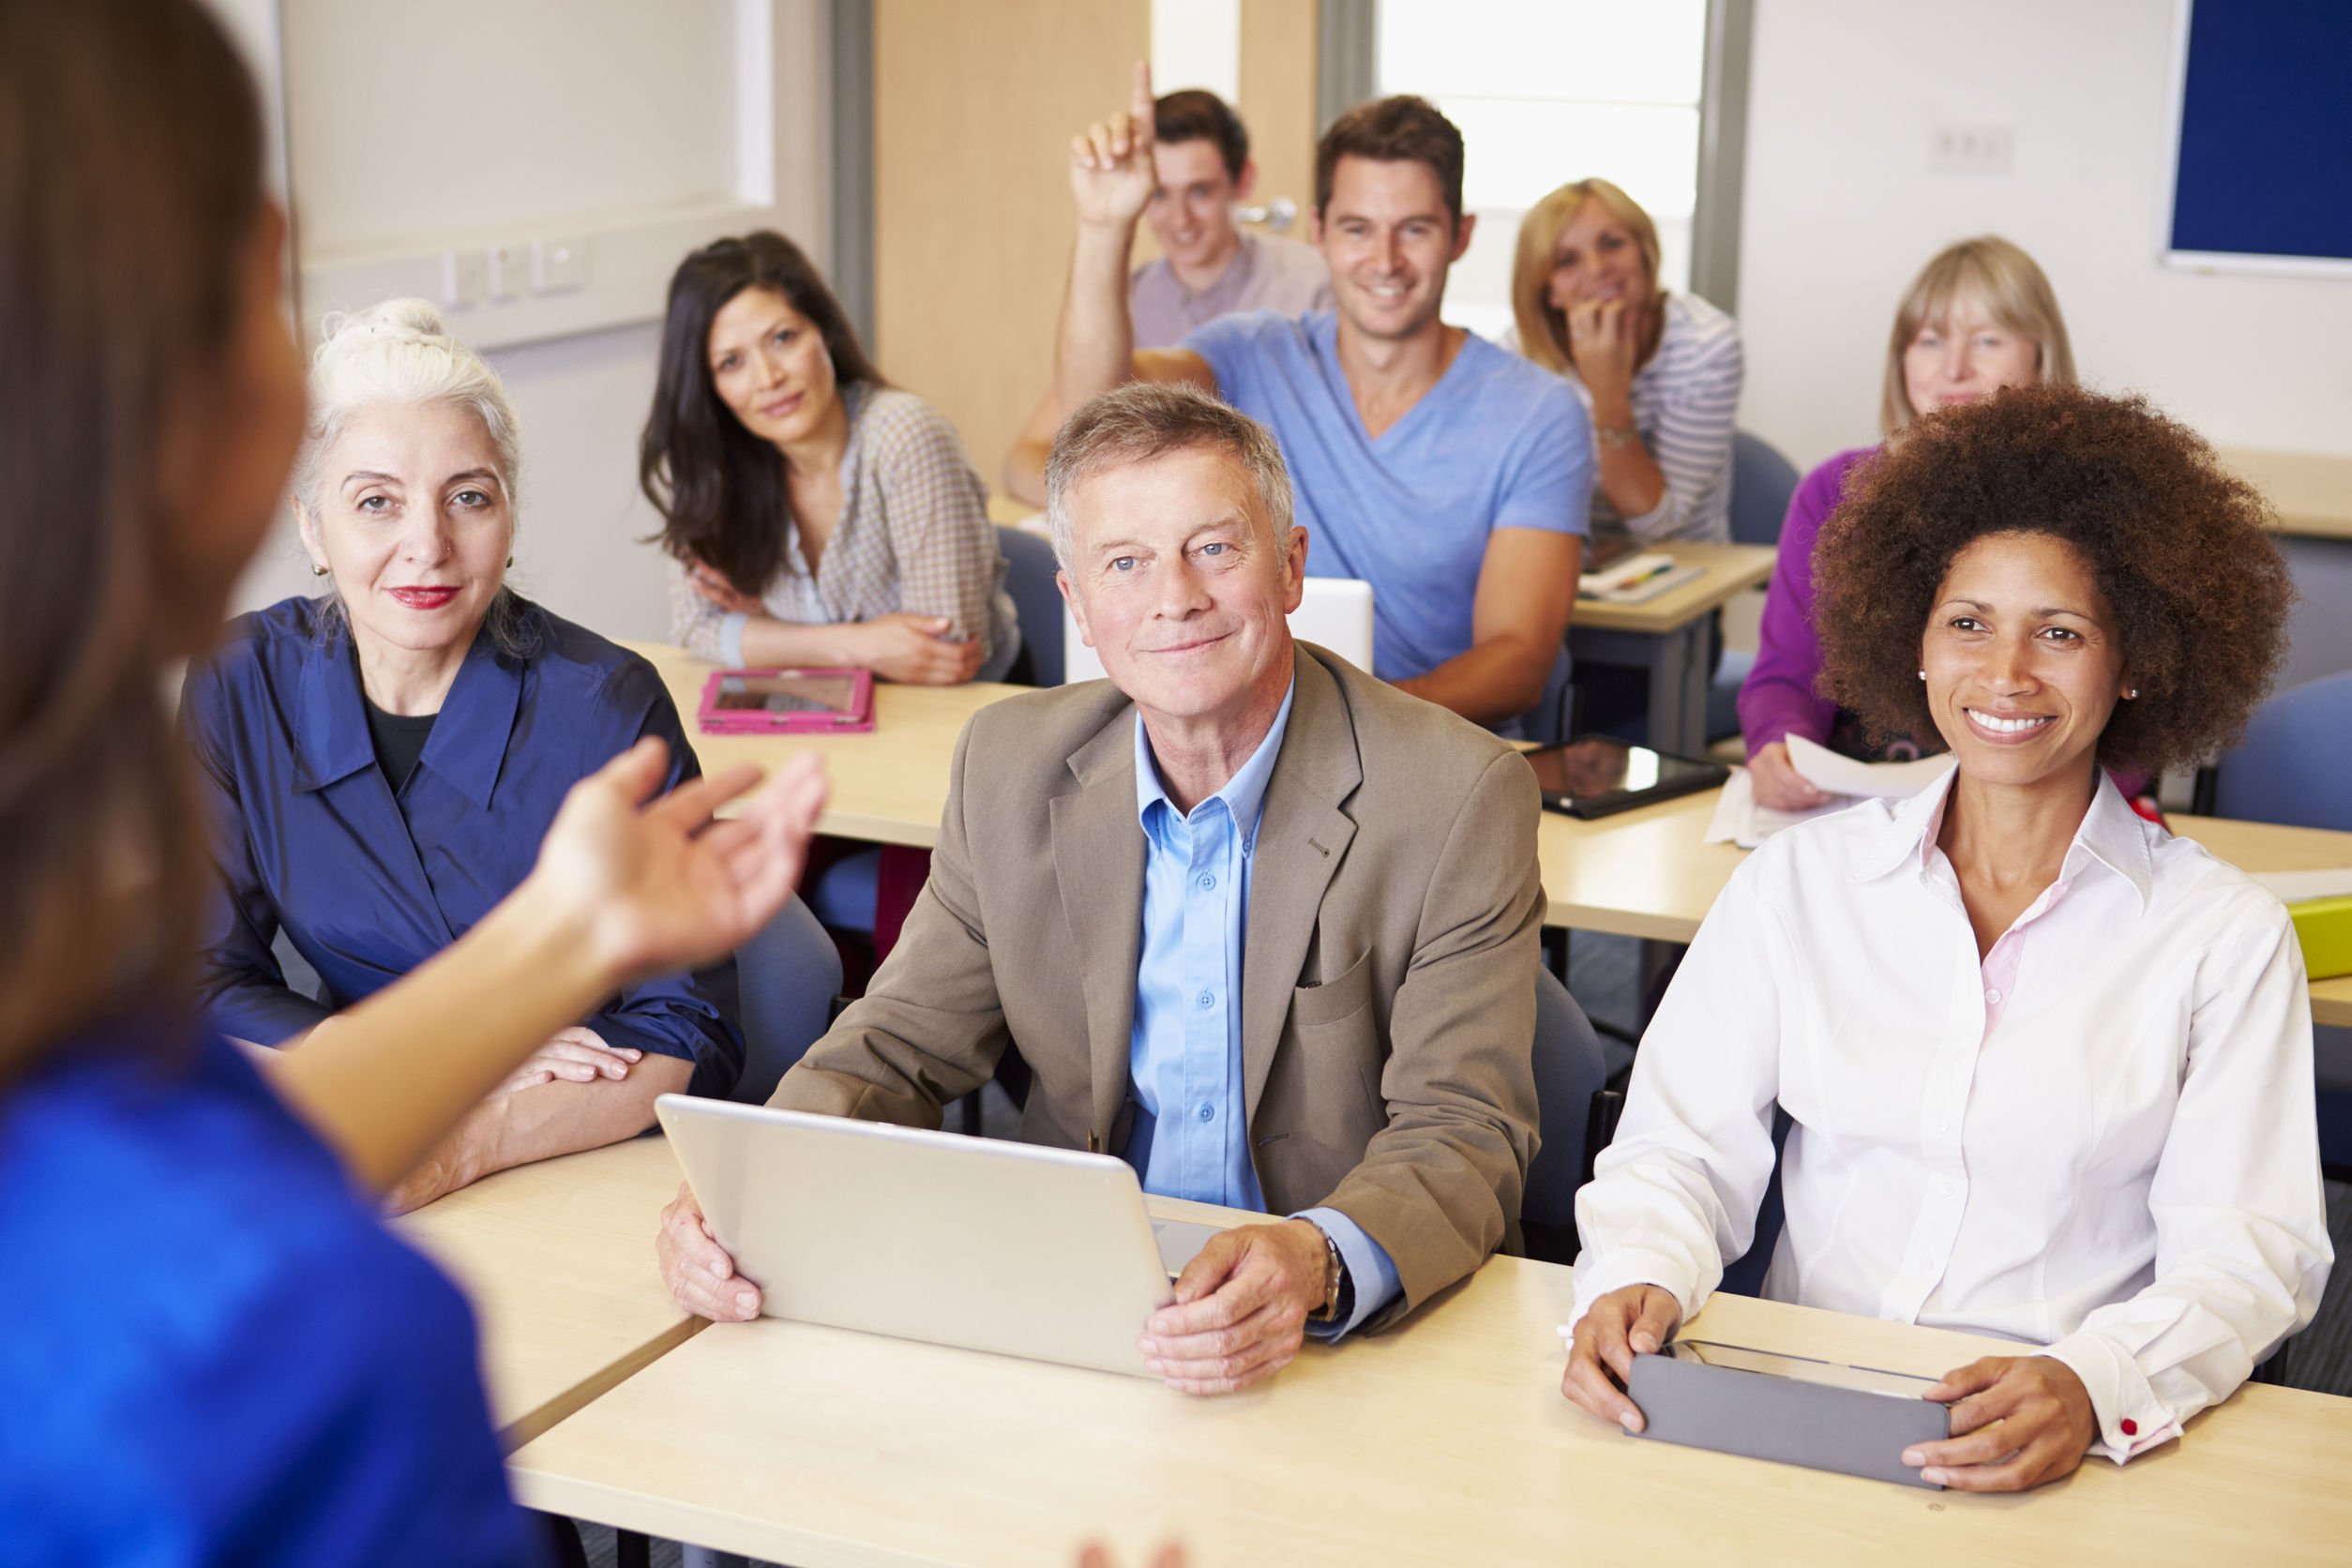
pixel 1334 1276
pixel 1615 435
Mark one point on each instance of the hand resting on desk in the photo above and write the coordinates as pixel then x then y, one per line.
pixel 1239 1315
pixel 2017 1420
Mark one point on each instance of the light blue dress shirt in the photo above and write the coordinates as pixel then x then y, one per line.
pixel 1191 1137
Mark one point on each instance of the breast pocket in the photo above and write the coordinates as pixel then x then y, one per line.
pixel 1338 1031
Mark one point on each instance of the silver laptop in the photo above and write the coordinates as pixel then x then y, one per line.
pixel 1024 1251
pixel 1335 613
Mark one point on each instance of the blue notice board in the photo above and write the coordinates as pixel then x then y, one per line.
pixel 2263 174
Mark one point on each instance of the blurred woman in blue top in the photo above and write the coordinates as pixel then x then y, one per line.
pixel 383 760
pixel 215 1353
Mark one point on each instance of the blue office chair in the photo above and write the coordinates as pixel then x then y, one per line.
pixel 1762 482
pixel 2298 753
pixel 787 976
pixel 1569 1073
pixel 2291 769
pixel 1028 570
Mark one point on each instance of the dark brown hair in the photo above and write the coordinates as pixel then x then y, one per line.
pixel 1399 129
pixel 719 489
pixel 130 191
pixel 1197 114
pixel 2178 545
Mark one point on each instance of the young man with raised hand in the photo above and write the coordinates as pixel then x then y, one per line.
pixel 1451 476
pixel 1209 265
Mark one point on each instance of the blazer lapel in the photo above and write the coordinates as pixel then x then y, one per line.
pixel 1098 863
pixel 1302 837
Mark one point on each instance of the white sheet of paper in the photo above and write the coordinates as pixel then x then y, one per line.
pixel 2295 887
pixel 1740 821
pixel 1825 769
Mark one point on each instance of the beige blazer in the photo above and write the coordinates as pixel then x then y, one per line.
pixel 1388 1000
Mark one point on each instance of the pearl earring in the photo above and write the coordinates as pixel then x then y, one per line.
pixel 2134 692
pixel 1923 674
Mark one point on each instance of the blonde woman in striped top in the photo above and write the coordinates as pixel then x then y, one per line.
pixel 1659 372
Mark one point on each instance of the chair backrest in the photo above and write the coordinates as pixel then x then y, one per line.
pixel 785 978
pixel 1569 1071
pixel 2295 765
pixel 1029 568
pixel 1336 612
pixel 1761 483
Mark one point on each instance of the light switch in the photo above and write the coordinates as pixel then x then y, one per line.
pixel 465 279
pixel 1969 149
pixel 558 266
pixel 509 272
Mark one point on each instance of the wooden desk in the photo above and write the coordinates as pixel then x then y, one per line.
pixel 558 1260
pixel 1445 1441
pixel 888 786
pixel 1646 874
pixel 2312 492
pixel 1668 636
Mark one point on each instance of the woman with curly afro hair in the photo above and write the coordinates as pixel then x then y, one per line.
pixel 2047 1068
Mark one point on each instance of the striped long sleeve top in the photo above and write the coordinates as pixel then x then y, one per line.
pixel 914 535
pixel 1685 400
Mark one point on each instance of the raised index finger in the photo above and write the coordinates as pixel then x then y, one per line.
pixel 1145 109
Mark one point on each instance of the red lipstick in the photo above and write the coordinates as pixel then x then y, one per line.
pixel 423 598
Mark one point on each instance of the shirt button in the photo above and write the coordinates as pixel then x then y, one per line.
pixel 1208 1000
pixel 1993 998
pixel 1943 1126
pixel 2131 1428
pixel 1208 1112
pixel 1207 882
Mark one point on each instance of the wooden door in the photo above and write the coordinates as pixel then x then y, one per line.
pixel 975 105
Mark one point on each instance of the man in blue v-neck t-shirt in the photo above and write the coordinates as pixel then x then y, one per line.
pixel 1449 474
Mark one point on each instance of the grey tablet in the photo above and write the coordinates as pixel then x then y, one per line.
pixel 1854 1419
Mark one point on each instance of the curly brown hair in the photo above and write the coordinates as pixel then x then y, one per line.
pixel 2178 545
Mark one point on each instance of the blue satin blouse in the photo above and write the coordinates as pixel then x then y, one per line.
pixel 215 1353
pixel 310 837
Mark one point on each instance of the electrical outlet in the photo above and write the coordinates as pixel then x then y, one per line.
pixel 465 279
pixel 558 266
pixel 509 272
pixel 1969 149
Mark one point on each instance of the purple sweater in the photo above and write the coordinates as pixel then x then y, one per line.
pixel 1778 699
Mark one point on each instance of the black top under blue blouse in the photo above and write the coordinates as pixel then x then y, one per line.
pixel 368 882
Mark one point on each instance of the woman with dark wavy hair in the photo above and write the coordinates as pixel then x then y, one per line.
pixel 2048 1068
pixel 814 514
pixel 215 1351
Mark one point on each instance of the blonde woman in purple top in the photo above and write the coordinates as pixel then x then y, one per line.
pixel 1979 317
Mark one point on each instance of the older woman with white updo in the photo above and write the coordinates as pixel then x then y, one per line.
pixel 385 759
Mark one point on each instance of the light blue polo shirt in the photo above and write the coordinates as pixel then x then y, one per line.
pixel 1497 443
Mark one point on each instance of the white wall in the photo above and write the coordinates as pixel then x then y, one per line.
pixel 581 399
pixel 1841 210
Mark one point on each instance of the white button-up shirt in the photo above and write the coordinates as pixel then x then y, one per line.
pixel 2100 1137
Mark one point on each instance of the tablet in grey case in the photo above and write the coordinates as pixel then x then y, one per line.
pixel 1854 1419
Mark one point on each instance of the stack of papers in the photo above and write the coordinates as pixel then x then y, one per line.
pixel 1740 821
pixel 2296 887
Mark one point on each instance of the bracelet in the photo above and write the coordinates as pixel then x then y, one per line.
pixel 1615 436
pixel 1335 1272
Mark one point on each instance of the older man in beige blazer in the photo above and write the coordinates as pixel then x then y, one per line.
pixel 1376 1084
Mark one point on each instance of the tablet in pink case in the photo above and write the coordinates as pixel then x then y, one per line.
pixel 789 703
